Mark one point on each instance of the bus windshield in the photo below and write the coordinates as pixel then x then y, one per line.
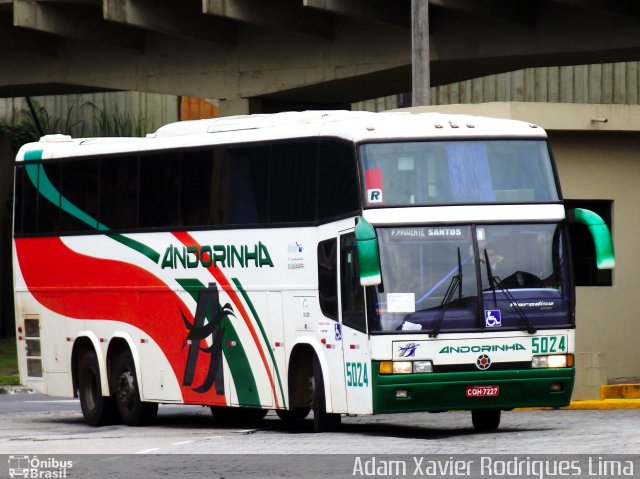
pixel 457 172
pixel 453 278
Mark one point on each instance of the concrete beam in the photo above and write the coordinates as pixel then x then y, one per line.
pixel 509 10
pixel 621 7
pixel 24 41
pixel 170 17
pixel 77 22
pixel 391 12
pixel 274 15
pixel 95 3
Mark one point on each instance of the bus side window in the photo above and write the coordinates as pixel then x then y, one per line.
pixel 328 277
pixel 351 292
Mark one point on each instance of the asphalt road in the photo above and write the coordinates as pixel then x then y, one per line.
pixel 36 424
pixel 49 435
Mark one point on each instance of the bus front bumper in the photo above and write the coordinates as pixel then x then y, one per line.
pixel 437 392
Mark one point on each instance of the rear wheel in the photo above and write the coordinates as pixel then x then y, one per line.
pixel 133 411
pixel 97 409
pixel 485 420
pixel 322 420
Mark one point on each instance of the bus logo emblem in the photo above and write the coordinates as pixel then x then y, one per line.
pixel 483 362
pixel 492 318
pixel 408 351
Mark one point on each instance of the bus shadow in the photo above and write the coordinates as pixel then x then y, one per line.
pixel 189 420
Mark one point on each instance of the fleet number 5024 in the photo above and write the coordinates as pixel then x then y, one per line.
pixel 549 344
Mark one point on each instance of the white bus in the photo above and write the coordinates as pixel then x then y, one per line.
pixel 339 262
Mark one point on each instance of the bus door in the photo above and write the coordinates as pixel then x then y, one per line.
pixel 353 321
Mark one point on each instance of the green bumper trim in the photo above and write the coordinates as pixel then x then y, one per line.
pixel 447 391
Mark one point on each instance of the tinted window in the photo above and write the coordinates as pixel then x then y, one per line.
pixel 328 277
pixel 48 207
pixel 17 214
pixel 351 292
pixel 292 183
pixel 119 192
pixel 159 190
pixel 79 190
pixel 248 185
pixel 199 198
pixel 338 181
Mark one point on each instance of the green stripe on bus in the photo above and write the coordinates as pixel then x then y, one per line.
pixel 43 184
pixel 264 335
pixel 236 356
pixel 33 155
pixel 150 253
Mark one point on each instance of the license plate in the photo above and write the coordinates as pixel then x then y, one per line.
pixel 482 391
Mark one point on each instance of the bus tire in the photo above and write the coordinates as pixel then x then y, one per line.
pixel 97 409
pixel 293 415
pixel 133 411
pixel 323 421
pixel 485 420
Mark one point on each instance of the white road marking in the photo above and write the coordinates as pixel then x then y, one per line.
pixel 147 451
pixel 181 443
pixel 54 400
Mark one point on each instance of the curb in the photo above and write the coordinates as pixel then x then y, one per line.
pixel 604 404
pixel 15 389
pixel 620 391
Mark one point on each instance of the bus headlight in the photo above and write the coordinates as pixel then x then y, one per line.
pixel 405 367
pixel 422 367
pixel 402 367
pixel 552 361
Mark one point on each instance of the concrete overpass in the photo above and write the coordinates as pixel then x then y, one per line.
pixel 259 55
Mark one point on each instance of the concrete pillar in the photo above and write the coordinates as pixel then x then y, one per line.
pixel 420 58
pixel 240 106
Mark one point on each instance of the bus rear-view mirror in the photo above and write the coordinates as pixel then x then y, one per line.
pixel 368 257
pixel 605 257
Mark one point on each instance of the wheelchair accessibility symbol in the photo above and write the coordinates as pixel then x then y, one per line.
pixel 492 318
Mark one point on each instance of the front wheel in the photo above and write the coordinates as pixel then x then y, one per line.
pixel 97 409
pixel 485 420
pixel 293 415
pixel 133 411
pixel 322 420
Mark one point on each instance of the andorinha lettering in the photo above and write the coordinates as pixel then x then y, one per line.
pixel 221 256
pixel 482 349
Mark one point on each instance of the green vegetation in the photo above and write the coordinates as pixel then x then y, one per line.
pixel 105 121
pixel 8 362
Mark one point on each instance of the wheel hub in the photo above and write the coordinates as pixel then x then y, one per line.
pixel 126 389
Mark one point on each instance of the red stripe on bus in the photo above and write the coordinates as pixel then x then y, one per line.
pixel 111 290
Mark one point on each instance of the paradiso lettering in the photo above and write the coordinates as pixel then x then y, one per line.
pixel 221 256
pixel 482 349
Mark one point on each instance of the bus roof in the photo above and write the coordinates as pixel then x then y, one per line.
pixel 351 126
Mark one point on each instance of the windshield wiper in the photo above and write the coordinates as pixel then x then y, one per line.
pixel 496 281
pixel 456 283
